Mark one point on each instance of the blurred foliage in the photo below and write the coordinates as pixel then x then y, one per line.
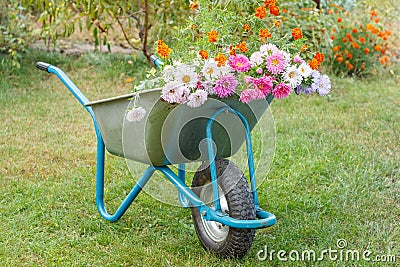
pixel 14 31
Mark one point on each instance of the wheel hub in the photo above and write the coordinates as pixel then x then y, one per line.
pixel 215 230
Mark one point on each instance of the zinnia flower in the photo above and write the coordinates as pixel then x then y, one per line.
pixel 276 62
pixel 135 114
pixel 197 98
pixel 282 90
pixel 240 63
pixel 226 86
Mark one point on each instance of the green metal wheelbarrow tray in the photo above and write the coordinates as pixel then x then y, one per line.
pixel 225 209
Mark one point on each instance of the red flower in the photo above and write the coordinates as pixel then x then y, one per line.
pixel 274 10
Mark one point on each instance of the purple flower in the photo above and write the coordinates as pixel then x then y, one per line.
pixel 282 90
pixel 304 89
pixel 226 86
pixel 240 63
pixel 322 85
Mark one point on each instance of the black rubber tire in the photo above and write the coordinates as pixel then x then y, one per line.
pixel 233 183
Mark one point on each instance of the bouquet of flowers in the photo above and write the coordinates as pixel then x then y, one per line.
pixel 251 60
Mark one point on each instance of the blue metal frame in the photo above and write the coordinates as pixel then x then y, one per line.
pixel 186 196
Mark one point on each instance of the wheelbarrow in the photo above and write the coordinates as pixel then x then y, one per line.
pixel 225 208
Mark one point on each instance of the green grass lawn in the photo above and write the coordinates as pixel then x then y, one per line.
pixel 335 175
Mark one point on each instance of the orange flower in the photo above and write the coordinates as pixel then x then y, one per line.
pixel 221 59
pixel 377 47
pixel 366 50
pixel 344 40
pixel 340 59
pixel 332 37
pixel 361 39
pixel 373 13
pixel 277 23
pixel 319 56
pixel 349 65
pixel 330 11
pixel 261 12
pixel 336 48
pixel 334 29
pixel 232 51
pixel 242 46
pixel 339 19
pixel 363 66
pixel 314 64
pixel 194 5
pixel 355 45
pixel 274 10
pixel 203 54
pixel 246 27
pixel 376 20
pixel 349 55
pixel 354 30
pixel 264 33
pixel 297 33
pixel 212 36
pixel 162 49
pixel 304 48
pixel 269 3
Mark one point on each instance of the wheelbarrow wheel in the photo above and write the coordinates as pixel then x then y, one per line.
pixel 236 200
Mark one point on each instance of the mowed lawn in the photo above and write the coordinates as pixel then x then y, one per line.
pixel 335 176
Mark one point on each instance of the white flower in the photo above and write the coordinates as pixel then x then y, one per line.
pixel 135 114
pixel 256 59
pixel 197 98
pixel 322 85
pixel 305 69
pixel 293 76
pixel 174 92
pixel 168 73
pixel 185 74
pixel 208 86
pixel 268 49
pixel 210 70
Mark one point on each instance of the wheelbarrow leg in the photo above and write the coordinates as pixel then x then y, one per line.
pixel 100 185
pixel 182 176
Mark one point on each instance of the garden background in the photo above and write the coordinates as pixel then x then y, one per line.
pixel 335 173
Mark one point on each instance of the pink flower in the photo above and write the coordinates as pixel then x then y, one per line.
pixel 282 90
pixel 276 62
pixel 259 71
pixel 298 59
pixel 240 63
pixel 248 79
pixel 264 84
pixel 250 94
pixel 175 93
pixel 226 86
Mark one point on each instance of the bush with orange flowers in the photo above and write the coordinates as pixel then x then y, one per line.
pixel 360 43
